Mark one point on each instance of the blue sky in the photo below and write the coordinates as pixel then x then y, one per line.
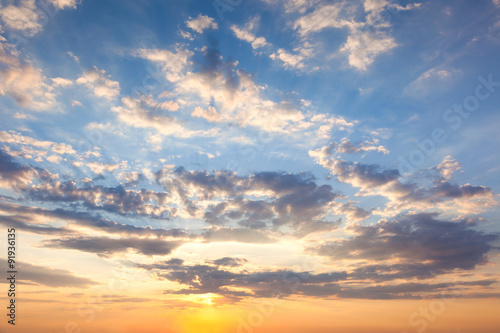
pixel 253 122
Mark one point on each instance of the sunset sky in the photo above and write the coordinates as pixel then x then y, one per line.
pixel 251 165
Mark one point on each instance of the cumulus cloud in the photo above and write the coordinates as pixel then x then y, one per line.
pixel 201 23
pixel 27 16
pixel 219 279
pixel 173 64
pixel 19 177
pixel 61 82
pixel 279 199
pixel 23 17
pixel 62 4
pixel 364 46
pixel 210 114
pixel 288 59
pixel 23 82
pixel 100 83
pixel 142 112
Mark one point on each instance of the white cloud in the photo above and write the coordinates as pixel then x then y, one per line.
pixel 173 63
pixel 27 17
pixel 295 5
pixel 201 23
pixel 328 16
pixel 99 168
pixel 100 83
pixel 375 5
pixel 245 33
pixel 209 114
pixel 137 113
pixel 22 17
pixel 61 4
pixel 169 105
pixel 222 93
pixel 288 59
pixel 74 57
pixel 23 82
pixel 364 46
pixel 61 82
pixel 33 148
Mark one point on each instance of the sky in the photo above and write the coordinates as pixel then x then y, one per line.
pixel 251 165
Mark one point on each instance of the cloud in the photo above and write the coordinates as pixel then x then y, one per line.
pixel 366 39
pixel 364 46
pixel 19 223
pixel 27 17
pixel 347 147
pixel 61 82
pixel 142 112
pixel 214 278
pixel 288 59
pixel 229 262
pixel 410 246
pixel 223 93
pixel 23 17
pixel 432 81
pixel 62 4
pixel 50 277
pixel 210 114
pixel 448 167
pixel 295 5
pixel 259 201
pixel 323 17
pixel 201 23
pixel 38 147
pixel 16 176
pixel 218 234
pixel 100 83
pixel 372 179
pixel 230 278
pixel 117 200
pixel 173 64
pixel 245 33
pixel 37 217
pixel 106 247
pixel 24 83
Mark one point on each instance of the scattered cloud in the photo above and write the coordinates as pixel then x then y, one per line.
pixel 201 23
pixel 100 83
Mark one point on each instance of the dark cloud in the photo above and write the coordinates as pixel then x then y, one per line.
pixel 291 199
pixel 96 222
pixel 17 176
pixel 212 278
pixel 106 247
pixel 22 223
pixel 423 246
pixel 49 276
pixel 224 276
pixel 260 201
pixel 116 200
pixel 228 261
pixel 449 190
